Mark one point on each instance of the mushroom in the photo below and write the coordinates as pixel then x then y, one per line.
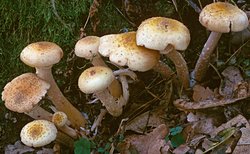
pixel 87 48
pixel 166 35
pixel 219 17
pixel 60 119
pixel 96 80
pixel 38 133
pixel 23 94
pixel 42 56
pixel 123 51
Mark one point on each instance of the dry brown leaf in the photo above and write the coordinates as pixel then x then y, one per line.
pixel 236 121
pixel 232 78
pixel 147 119
pixel 181 149
pixel 151 143
pixel 18 148
pixel 201 93
pixel 201 123
pixel 186 105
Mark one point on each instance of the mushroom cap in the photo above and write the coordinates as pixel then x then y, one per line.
pixel 38 133
pixel 59 118
pixel 158 32
pixel 95 79
pixel 24 92
pixel 122 50
pixel 41 54
pixel 87 47
pixel 223 17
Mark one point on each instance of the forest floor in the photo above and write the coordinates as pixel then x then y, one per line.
pixel 152 96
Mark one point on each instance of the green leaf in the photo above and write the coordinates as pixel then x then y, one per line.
pixel 82 146
pixel 223 136
pixel 176 130
pixel 177 140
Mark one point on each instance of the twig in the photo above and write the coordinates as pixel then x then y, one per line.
pixel 236 52
pixel 56 13
pixel 194 6
pixel 120 12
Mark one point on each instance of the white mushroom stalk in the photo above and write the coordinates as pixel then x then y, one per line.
pixel 219 17
pixel 42 55
pixel 166 35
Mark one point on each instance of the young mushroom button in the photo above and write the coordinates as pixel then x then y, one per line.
pixel 166 35
pixel 42 56
pixel 219 17
pixel 38 133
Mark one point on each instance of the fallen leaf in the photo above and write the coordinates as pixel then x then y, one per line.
pixel 149 143
pixel 232 78
pixel 201 93
pixel 181 149
pixel 17 148
pixel 147 119
pixel 187 105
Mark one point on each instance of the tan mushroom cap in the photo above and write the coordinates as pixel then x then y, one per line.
pixel 41 54
pixel 87 47
pixel 95 79
pixel 38 133
pixel 59 118
pixel 158 32
pixel 122 50
pixel 24 92
pixel 223 17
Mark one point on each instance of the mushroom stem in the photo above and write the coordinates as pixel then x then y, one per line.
pixel 180 64
pixel 69 131
pixel 113 107
pixel 65 139
pixel 39 113
pixel 97 61
pixel 164 70
pixel 58 99
pixel 127 72
pixel 125 90
pixel 98 120
pixel 203 61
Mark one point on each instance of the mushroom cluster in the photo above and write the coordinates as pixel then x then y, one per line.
pixel 127 52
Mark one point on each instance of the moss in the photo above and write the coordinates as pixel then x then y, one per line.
pixel 24 22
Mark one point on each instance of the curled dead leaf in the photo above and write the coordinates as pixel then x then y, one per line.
pixel 149 143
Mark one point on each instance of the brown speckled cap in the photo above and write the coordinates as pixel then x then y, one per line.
pixel 38 133
pixel 223 17
pixel 41 54
pixel 24 92
pixel 59 118
pixel 158 32
pixel 87 47
pixel 122 50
